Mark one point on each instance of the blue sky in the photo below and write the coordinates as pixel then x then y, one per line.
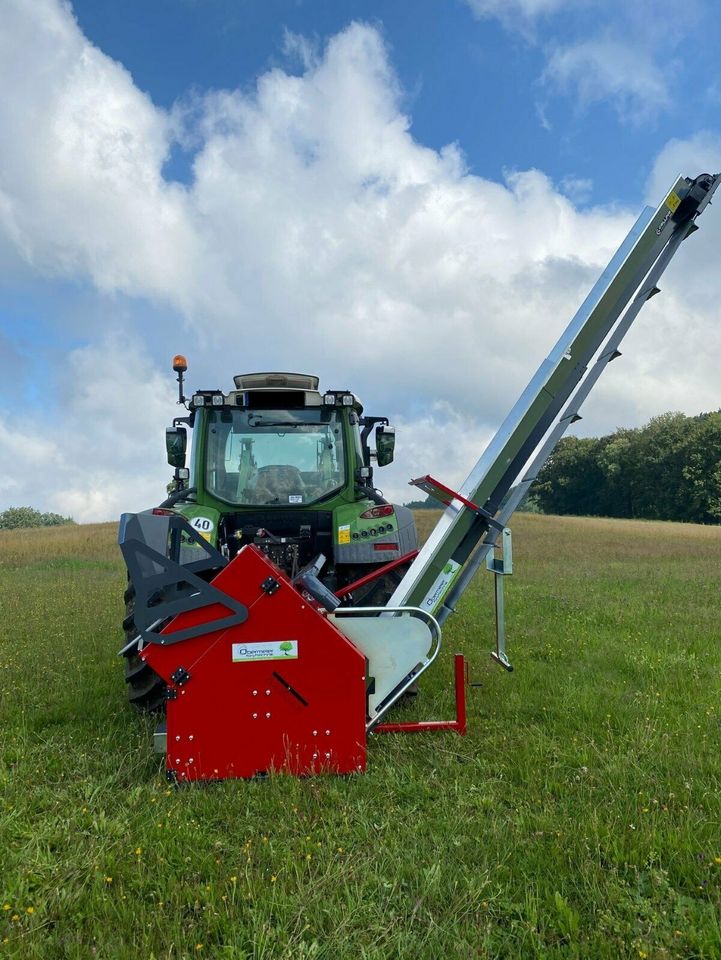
pixel 408 198
pixel 478 80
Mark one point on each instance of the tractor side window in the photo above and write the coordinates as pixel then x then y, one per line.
pixel 268 457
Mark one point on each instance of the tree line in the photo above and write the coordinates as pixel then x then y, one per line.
pixel 669 469
pixel 15 518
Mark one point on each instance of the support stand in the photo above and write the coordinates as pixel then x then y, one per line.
pixel 459 724
pixel 501 567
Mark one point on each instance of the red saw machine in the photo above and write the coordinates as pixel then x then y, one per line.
pixel 264 674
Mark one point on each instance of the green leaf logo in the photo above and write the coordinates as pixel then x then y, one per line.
pixel 286 646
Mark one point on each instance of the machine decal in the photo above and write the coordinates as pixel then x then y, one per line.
pixel 344 533
pixel 295 498
pixel 662 224
pixel 672 201
pixel 440 585
pixel 273 650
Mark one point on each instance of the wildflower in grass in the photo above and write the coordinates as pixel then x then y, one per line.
pixel 15 917
pixel 6 906
pixel 717 859
pixel 233 879
pixel 273 878
pixel 138 851
pixel 309 856
pixel 30 910
pixel 108 880
pixel 198 946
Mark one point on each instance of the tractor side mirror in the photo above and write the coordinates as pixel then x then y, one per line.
pixel 176 443
pixel 385 444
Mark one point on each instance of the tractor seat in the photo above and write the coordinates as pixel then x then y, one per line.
pixel 281 480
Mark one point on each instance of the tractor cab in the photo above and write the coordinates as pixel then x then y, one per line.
pixel 277 463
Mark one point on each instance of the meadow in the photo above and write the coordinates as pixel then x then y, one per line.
pixel 580 817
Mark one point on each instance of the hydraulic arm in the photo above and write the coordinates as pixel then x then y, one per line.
pixel 475 516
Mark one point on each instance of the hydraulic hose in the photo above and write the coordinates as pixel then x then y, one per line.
pixel 370 493
pixel 178 495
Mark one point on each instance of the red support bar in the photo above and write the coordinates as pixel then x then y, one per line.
pixel 459 724
pixel 439 491
pixel 369 577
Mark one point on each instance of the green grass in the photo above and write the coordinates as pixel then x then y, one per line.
pixel 581 816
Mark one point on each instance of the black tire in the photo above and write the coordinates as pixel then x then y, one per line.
pixel 146 690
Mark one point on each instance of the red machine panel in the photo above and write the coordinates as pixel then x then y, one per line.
pixel 284 691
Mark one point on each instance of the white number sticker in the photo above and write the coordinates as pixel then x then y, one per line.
pixel 202 524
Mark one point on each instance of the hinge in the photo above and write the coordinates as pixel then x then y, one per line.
pixel 180 676
pixel 269 586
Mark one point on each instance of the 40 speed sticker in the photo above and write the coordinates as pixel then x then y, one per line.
pixel 273 650
pixel 204 526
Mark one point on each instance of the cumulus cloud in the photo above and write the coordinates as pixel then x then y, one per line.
pixel 316 234
pixel 610 70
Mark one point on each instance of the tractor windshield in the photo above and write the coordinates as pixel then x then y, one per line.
pixel 274 456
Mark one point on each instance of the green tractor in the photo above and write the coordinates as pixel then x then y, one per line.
pixel 276 463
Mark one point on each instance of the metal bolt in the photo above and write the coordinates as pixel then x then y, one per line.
pixel 177 759
pixel 191 759
pixel 255 716
pixel 177 737
pixel 315 733
pixel 315 757
pixel 255 693
pixel 190 737
pixel 327 733
pixel 267 693
pixel 267 716
pixel 327 756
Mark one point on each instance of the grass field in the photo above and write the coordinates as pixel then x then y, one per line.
pixel 581 817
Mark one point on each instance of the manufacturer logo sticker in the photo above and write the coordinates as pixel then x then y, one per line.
pixel 272 650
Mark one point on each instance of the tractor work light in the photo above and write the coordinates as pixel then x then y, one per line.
pixel 217 400
pixel 198 400
pixel 183 473
pixel 329 399
pixel 180 364
pixel 347 399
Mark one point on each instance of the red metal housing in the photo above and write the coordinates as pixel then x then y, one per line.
pixel 240 713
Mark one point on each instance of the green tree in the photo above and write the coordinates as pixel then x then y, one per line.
pixel 15 518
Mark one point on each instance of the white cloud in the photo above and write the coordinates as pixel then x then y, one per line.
pixel 517 13
pixel 623 73
pixel 577 189
pixel 599 51
pixel 100 450
pixel 317 234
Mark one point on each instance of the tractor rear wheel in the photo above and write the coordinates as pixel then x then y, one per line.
pixel 146 690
